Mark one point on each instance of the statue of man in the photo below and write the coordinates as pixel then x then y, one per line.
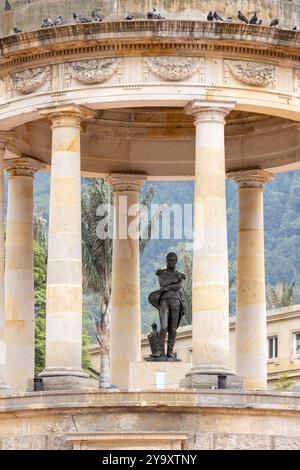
pixel 169 303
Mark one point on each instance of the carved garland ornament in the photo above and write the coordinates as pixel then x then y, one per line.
pixel 27 81
pixel 93 71
pixel 252 73
pixel 173 68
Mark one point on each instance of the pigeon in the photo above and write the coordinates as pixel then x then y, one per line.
pixel 96 17
pixel 154 15
pixel 47 23
pixel 210 16
pixel 274 23
pixel 81 19
pixel 229 19
pixel 242 18
pixel 259 22
pixel 59 21
pixel 254 19
pixel 217 17
pixel 128 17
pixel 17 29
pixel 7 6
pixel 295 28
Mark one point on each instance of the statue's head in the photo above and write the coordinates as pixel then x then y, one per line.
pixel 171 260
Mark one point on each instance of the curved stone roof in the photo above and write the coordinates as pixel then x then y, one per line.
pixel 29 15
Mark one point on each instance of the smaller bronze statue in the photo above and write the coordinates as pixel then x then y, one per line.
pixel 153 339
pixel 168 301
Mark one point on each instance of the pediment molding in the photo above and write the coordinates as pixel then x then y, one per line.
pixel 38 48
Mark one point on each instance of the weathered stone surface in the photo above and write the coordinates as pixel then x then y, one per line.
pixel 241 442
pixel 57 442
pixel 68 383
pixel 199 441
pixel 286 443
pixel 24 443
pixel 29 15
pixel 211 420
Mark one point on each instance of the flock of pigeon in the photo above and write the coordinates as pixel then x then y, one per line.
pixel 151 15
pixel 253 20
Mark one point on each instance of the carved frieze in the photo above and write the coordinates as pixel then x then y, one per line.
pixel 251 73
pixel 93 71
pixel 28 81
pixel 173 68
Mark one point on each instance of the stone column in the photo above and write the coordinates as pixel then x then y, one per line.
pixel 251 320
pixel 3 384
pixel 19 280
pixel 125 310
pixel 64 278
pixel 210 259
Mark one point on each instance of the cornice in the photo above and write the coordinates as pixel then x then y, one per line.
pixel 142 37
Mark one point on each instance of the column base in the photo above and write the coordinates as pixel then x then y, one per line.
pixel 211 378
pixel 67 379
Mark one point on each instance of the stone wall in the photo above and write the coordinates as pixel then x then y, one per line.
pixel 224 441
pixel 29 17
pixel 195 441
pixel 210 420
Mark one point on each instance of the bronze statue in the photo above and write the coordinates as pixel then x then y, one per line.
pixel 171 308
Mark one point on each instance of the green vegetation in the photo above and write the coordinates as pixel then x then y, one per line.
pixel 284 384
pixel 40 276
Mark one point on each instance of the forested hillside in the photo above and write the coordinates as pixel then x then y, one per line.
pixel 282 232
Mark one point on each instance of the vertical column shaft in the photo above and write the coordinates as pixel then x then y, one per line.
pixel 251 321
pixel 3 385
pixel 126 314
pixel 210 261
pixel 64 277
pixel 19 279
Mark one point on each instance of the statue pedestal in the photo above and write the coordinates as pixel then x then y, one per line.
pixel 157 375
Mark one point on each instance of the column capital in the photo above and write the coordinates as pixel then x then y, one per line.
pixel 24 166
pixel 207 111
pixel 66 115
pixel 126 182
pixel 251 178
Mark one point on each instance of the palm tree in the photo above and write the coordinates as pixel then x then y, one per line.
pixel 281 295
pixel 97 261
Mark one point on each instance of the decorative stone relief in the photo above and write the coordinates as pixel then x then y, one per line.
pixel 28 81
pixel 93 71
pixel 173 68
pixel 250 73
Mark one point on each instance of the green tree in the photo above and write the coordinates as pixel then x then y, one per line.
pixel 86 358
pixel 40 277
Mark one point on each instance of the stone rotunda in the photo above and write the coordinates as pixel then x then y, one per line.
pixel 134 101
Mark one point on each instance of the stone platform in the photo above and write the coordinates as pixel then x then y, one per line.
pixel 157 420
